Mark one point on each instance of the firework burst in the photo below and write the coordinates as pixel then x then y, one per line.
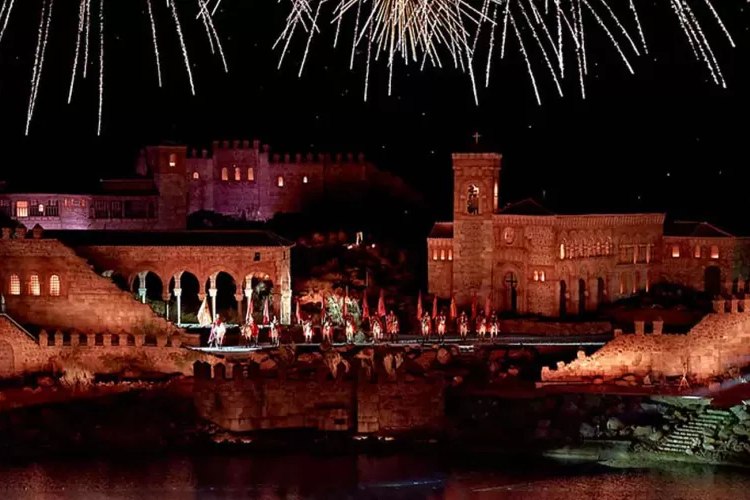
pixel 430 32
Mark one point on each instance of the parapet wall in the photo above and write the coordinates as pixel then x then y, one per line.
pixel 719 343
pixel 238 399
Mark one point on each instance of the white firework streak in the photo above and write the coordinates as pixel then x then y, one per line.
pixel 505 29
pixel 44 25
pixel 541 47
pixel 211 27
pixel 705 47
pixel 609 34
pixel 5 16
pixel 369 56
pixel 491 48
pixel 202 16
pixel 338 23
pixel 155 40
pixel 101 68
pixel 310 36
pixel 185 55
pixel 616 20
pixel 538 16
pixel 638 24
pixel 526 58
pixel 74 71
pixel 719 21
pixel 87 34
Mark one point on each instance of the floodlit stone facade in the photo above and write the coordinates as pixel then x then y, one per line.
pixel 529 260
pixel 239 179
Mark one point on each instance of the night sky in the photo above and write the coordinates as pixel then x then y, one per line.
pixel 666 139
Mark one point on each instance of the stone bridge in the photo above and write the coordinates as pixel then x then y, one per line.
pixel 146 262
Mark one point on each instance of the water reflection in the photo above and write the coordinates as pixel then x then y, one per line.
pixel 394 477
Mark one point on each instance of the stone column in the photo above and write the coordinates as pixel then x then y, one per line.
pixel 249 295
pixel 238 297
pixel 165 298
pixel 658 327
pixel 719 306
pixel 212 290
pixel 107 339
pixel 734 304
pixel 285 300
pixel 640 327
pixel 746 304
pixel 178 294
pixel 142 282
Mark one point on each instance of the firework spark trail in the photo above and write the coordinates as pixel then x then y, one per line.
pixel 718 20
pixel 313 29
pixel 356 27
pixel 155 40
pixel 203 17
pixel 74 71
pixel 339 17
pixel 101 67
pixel 369 54
pixel 538 16
pixel 505 28
pixel 616 20
pixel 46 20
pixel 706 47
pixel 640 27
pixel 526 58
pixel 5 16
pixel 185 56
pixel 541 47
pixel 609 34
pixel 676 6
pixel 211 27
pixel 87 34
pixel 558 18
pixel 492 46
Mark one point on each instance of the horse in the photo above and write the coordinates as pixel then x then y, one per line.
pixel 327 331
pixel 249 332
pixel 217 335
pixel 274 332
pixel 377 329
pixel 307 330
pixel 426 326
pixel 350 331
pixel 481 327
pixel 463 327
pixel 441 327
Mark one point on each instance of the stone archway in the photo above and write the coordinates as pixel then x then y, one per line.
pixel 7 360
pixel 149 289
pixel 185 287
pixel 563 298
pixel 510 292
pixel 259 287
pixel 712 281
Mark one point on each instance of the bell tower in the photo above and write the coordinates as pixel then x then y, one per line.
pixel 167 165
pixel 476 178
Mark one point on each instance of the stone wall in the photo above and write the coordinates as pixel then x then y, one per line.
pixel 87 301
pixel 238 399
pixel 101 353
pixel 719 343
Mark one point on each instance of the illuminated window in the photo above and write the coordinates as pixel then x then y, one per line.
pixel 495 193
pixel 304 180
pixel 536 275
pixel 15 285
pixel 675 251
pixel 434 254
pixel 54 285
pixel 40 209
pixel 450 254
pixel 34 285
pixel 442 254
pixel 648 254
pixel 250 174
pixel 237 174
pixel 697 252
pixel 714 252
pixel 172 160
pixel 22 209
pixel 280 181
pixel 224 174
pixel 542 277
pixel 196 175
pixel 562 251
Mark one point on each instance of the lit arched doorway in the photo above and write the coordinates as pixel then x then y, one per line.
pixel 510 302
pixel 148 288
pixel 581 296
pixel 262 292
pixel 712 281
pixel 185 309
pixel 225 304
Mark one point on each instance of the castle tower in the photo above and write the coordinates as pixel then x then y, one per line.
pixel 476 178
pixel 167 164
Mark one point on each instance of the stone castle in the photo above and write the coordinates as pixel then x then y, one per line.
pixel 527 259
pixel 238 179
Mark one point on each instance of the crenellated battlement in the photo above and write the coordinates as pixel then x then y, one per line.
pixel 74 338
pixel 323 158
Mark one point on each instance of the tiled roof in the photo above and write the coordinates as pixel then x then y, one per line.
pixel 230 238
pixel 529 206
pixel 694 229
pixel 442 230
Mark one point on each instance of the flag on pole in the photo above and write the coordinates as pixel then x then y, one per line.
pixel 298 314
pixel 381 304
pixel 434 306
pixel 487 307
pixel 419 305
pixel 454 309
pixel 322 309
pixel 345 312
pixel 266 313
pixel 474 306
pixel 249 312
pixel 204 314
pixel 365 307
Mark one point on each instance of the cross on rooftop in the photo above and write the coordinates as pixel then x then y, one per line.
pixel 476 137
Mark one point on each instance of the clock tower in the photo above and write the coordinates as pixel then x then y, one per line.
pixel 475 199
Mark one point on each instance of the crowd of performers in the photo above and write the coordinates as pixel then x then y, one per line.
pixel 386 328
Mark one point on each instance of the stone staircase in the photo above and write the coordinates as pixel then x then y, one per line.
pixel 688 437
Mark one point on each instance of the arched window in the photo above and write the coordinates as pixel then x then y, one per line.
pixel 54 285
pixel 35 287
pixel 15 285
pixel 237 174
pixel 714 251
pixel 450 254
pixel 196 175
pixel 542 276
pixel 434 254
pixel 562 251
pixel 536 275
pixel 472 200
pixel 442 254
pixel 280 181
pixel 172 160
pixel 22 209
pixel 675 251
pixel 304 179
pixel 697 252
pixel 224 174
pixel 250 174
